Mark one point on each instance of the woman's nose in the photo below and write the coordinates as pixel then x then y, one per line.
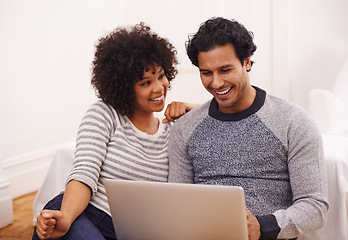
pixel 158 86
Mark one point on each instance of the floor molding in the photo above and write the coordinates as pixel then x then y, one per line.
pixel 5 202
pixel 26 172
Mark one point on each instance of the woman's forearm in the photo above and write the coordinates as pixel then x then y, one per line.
pixel 76 198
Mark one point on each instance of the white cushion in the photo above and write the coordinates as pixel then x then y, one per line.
pixel 329 112
pixel 340 88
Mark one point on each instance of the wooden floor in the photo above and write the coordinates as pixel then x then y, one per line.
pixel 22 226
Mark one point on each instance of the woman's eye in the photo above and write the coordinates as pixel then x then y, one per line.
pixel 145 83
pixel 161 76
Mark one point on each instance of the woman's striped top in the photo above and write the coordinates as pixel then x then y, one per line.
pixel 109 146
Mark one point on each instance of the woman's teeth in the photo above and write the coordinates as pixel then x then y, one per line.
pixel 158 99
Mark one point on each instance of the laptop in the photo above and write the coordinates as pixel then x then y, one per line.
pixel 143 210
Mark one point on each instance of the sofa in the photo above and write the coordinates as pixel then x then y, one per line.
pixel 329 110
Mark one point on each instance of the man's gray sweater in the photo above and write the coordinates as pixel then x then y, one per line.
pixel 272 149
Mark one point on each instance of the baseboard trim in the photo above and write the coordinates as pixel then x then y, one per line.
pixel 5 203
pixel 26 172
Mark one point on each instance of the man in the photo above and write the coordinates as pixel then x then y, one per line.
pixel 248 138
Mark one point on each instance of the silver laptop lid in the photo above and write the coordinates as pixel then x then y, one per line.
pixel 172 211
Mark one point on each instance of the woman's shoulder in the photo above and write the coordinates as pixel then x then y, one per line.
pixel 102 112
pixel 103 108
pixel 101 105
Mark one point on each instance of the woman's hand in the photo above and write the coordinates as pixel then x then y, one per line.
pixel 175 110
pixel 51 224
pixel 55 224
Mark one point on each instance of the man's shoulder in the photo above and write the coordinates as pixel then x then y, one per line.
pixel 283 106
pixel 282 114
pixel 193 117
pixel 197 113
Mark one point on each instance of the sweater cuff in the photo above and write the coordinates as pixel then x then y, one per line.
pixel 269 227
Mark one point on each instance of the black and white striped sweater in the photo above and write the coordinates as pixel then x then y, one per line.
pixel 109 146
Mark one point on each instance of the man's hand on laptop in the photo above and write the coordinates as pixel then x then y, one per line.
pixel 254 231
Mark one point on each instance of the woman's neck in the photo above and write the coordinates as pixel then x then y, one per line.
pixel 145 122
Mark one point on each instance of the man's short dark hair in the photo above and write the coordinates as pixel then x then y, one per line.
pixel 219 32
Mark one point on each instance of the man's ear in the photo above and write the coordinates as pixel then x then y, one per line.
pixel 247 63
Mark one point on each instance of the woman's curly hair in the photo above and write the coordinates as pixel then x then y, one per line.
pixel 120 60
pixel 218 32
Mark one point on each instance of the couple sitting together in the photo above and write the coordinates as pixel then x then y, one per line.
pixel 242 137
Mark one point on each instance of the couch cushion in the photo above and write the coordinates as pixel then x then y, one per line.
pixel 340 88
pixel 329 111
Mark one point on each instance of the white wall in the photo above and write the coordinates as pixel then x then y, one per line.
pixel 317 45
pixel 47 48
pixel 46 53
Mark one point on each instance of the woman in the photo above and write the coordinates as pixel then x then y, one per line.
pixel 119 137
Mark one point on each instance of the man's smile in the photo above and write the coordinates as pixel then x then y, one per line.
pixel 223 92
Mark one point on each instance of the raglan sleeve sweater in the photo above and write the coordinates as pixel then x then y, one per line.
pixel 273 150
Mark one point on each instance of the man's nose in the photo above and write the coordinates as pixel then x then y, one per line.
pixel 217 82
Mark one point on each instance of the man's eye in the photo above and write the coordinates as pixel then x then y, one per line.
pixel 206 73
pixel 225 70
